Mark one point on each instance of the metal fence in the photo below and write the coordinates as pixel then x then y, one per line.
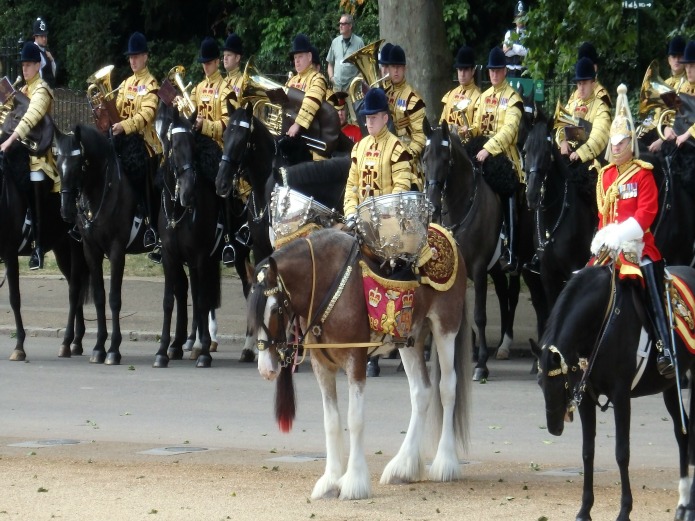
pixel 71 107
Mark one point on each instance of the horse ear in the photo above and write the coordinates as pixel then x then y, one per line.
pixel 193 117
pixel 445 129
pixel 250 270
pixel 78 132
pixel 271 274
pixel 249 110
pixel 428 130
pixel 230 107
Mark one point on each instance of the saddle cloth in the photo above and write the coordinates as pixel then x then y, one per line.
pixel 390 303
pixel 683 305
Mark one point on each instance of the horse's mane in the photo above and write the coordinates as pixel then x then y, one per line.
pixel 589 285
pixel 207 156
pixel 498 171
pixel 683 165
pixel 312 173
pixel 539 132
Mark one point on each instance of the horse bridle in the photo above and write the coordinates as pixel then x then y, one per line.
pixel 178 171
pixel 238 162
pixel 83 163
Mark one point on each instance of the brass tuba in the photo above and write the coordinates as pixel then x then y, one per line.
pixel 657 102
pixel 366 60
pixel 101 98
pixel 254 88
pixel 183 102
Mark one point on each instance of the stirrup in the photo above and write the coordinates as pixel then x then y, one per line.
pixel 149 240
pixel 665 365
pixel 509 264
pixel 228 255
pixel 156 254
pixel 75 234
pixel 534 265
pixel 36 260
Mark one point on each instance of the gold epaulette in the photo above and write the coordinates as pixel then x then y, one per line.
pixel 643 164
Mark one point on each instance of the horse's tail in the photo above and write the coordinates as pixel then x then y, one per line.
pixel 285 405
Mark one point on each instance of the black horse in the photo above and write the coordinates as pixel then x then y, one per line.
pixel 590 348
pixel 251 152
pixel 188 224
pixel 465 203
pixel 15 241
pixel 563 199
pixel 674 226
pixel 98 196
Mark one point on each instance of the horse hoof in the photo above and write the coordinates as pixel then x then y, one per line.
pixel 480 373
pixel 175 354
pixel 680 513
pixel 97 357
pixel 195 353
pixel 18 355
pixel 76 349
pixel 247 356
pixel 204 361
pixel 113 359
pixel 64 351
pixel 502 353
pixel 161 361
pixel 373 370
pixel 213 346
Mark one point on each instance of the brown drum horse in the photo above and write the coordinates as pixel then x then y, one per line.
pixel 330 304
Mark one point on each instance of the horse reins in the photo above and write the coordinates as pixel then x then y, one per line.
pixel 172 222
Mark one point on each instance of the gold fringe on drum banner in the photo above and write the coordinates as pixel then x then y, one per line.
pixel 301 232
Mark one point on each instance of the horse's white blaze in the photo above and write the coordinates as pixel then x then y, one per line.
pixel 267 364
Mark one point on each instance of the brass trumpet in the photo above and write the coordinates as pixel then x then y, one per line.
pixel 184 102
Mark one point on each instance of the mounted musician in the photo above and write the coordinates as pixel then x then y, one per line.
pixel 232 53
pixel 407 110
pixel 676 48
pixel 460 103
pixel 209 101
pixel 497 116
pixel 587 50
pixel 313 84
pixel 628 201
pixel 42 164
pixel 137 106
pixel 687 87
pixel 592 116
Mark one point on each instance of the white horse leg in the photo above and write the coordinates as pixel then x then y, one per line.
pixel 212 327
pixel 355 483
pixel 408 465
pixel 503 350
pixel 684 485
pixel 445 466
pixel 328 485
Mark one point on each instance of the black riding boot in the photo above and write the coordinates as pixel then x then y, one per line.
pixel 36 259
pixel 508 260
pixel 653 274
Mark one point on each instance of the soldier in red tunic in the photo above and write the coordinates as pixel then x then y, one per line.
pixel 628 201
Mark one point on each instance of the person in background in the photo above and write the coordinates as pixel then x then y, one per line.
pixel 587 50
pixel 48 64
pixel 340 73
pixel 339 101
pixel 513 45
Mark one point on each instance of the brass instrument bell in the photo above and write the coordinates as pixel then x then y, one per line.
pixel 184 102
pixel 657 102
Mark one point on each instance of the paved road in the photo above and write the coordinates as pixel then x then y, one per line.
pixel 229 407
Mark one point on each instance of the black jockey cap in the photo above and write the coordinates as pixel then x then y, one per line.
pixel 137 44
pixel 496 59
pixel 396 55
pixel 30 53
pixel 587 50
pixel 374 102
pixel 338 99
pixel 689 53
pixel 584 70
pixel 209 50
pixel 315 56
pixel 233 44
pixel 465 58
pixel 300 43
pixel 519 9
pixel 385 53
pixel 676 47
pixel 40 27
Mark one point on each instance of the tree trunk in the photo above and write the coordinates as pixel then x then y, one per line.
pixel 418 27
